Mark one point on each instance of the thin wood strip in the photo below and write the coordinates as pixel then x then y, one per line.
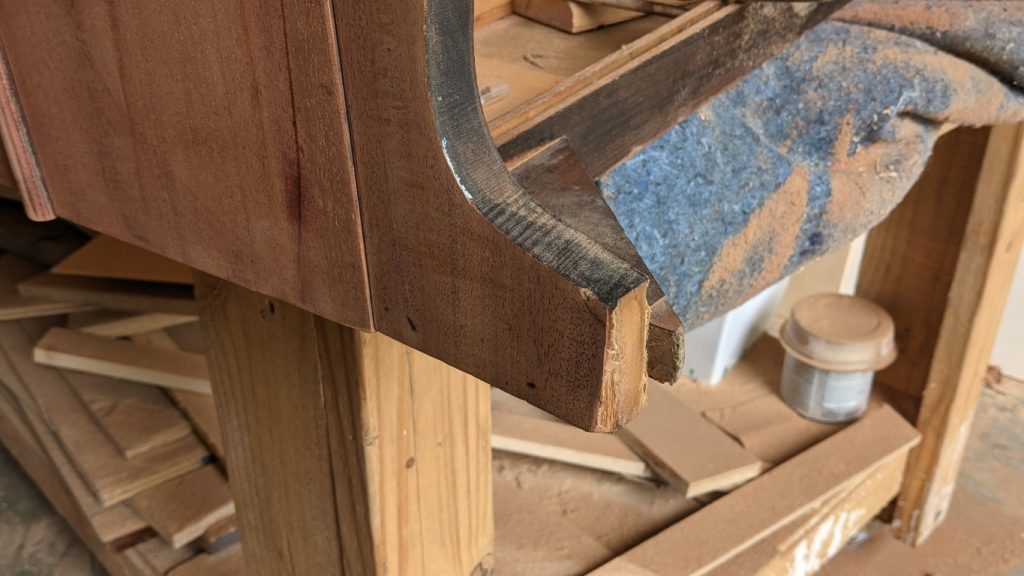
pixel 121 295
pixel 685 449
pixel 730 525
pixel 63 348
pixel 119 325
pixel 228 562
pixel 14 307
pixel 182 509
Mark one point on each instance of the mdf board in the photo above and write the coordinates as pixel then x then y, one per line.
pixel 212 134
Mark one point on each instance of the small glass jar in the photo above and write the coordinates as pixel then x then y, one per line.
pixel 834 345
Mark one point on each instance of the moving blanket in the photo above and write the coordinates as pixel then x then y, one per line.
pixel 815 147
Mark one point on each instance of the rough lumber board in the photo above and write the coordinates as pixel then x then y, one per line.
pixel 605 116
pixel 397 441
pixel 63 348
pixel 14 307
pixel 477 274
pixel 686 450
pixel 121 295
pixel 553 440
pixel 220 535
pixel 572 17
pixel 181 510
pixel 155 557
pixel 487 11
pixel 136 417
pixel 227 562
pixel 988 254
pixel 151 107
pixel 119 324
pixel 111 476
pixel 106 257
pixel 555 179
pixel 30 455
pixel 23 164
pixel 734 523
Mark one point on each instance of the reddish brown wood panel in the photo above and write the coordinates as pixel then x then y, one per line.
pixel 210 132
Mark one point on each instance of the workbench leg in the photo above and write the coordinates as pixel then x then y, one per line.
pixel 348 453
pixel 942 264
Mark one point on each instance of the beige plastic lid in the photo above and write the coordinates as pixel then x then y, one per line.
pixel 840 333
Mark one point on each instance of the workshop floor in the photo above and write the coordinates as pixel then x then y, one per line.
pixel 983 535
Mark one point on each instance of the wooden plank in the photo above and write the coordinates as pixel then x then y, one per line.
pixel 182 509
pixel 570 16
pixel 603 114
pixel 228 562
pixel 488 11
pixel 395 440
pixel 988 253
pixel 151 107
pixel 119 324
pixel 686 450
pixel 111 476
pixel 731 525
pixel 106 257
pixel 558 441
pixel 155 557
pixel 14 307
pixel 176 369
pixel 220 535
pixel 136 417
pixel 122 295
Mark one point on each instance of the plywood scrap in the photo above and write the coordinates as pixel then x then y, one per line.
pixel 121 295
pixel 121 324
pixel 686 450
pixel 769 429
pixel 106 257
pixel 570 16
pixel 227 562
pixel 63 348
pixel 733 524
pixel 558 441
pixel 136 417
pixel 182 509
pixel 111 476
pixel 14 307
pixel 220 535
pixel 156 557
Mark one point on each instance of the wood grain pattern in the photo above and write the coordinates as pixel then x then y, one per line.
pixel 686 450
pixel 121 295
pixel 395 440
pixel 228 562
pixel 14 307
pixel 970 317
pixel 24 166
pixel 136 417
pixel 120 324
pixel 212 135
pixel 180 510
pixel 106 257
pixel 570 16
pixel 731 525
pixel 501 289
pixel 176 369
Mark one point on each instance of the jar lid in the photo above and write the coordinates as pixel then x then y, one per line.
pixel 840 333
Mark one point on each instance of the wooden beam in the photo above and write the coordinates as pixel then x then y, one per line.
pixel 733 524
pixel 391 446
pixel 989 200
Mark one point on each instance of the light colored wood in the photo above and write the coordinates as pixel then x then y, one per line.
pixel 121 295
pixel 988 254
pixel 228 562
pixel 558 441
pixel 642 6
pixel 155 557
pixel 686 450
pixel 14 307
pixel 488 11
pixel 136 417
pixel 391 445
pixel 106 257
pixel 570 16
pixel 111 476
pixel 120 324
pixel 729 526
pixel 182 509
pixel 220 535
pixel 176 369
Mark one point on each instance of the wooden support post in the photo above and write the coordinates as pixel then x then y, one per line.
pixel 348 452
pixel 942 264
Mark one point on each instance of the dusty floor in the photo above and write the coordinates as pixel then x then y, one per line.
pixel 984 535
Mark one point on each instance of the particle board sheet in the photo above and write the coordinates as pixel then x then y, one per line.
pixel 729 526
pixel 136 417
pixel 686 450
pixel 182 509
pixel 63 348
pixel 107 257
pixel 108 473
